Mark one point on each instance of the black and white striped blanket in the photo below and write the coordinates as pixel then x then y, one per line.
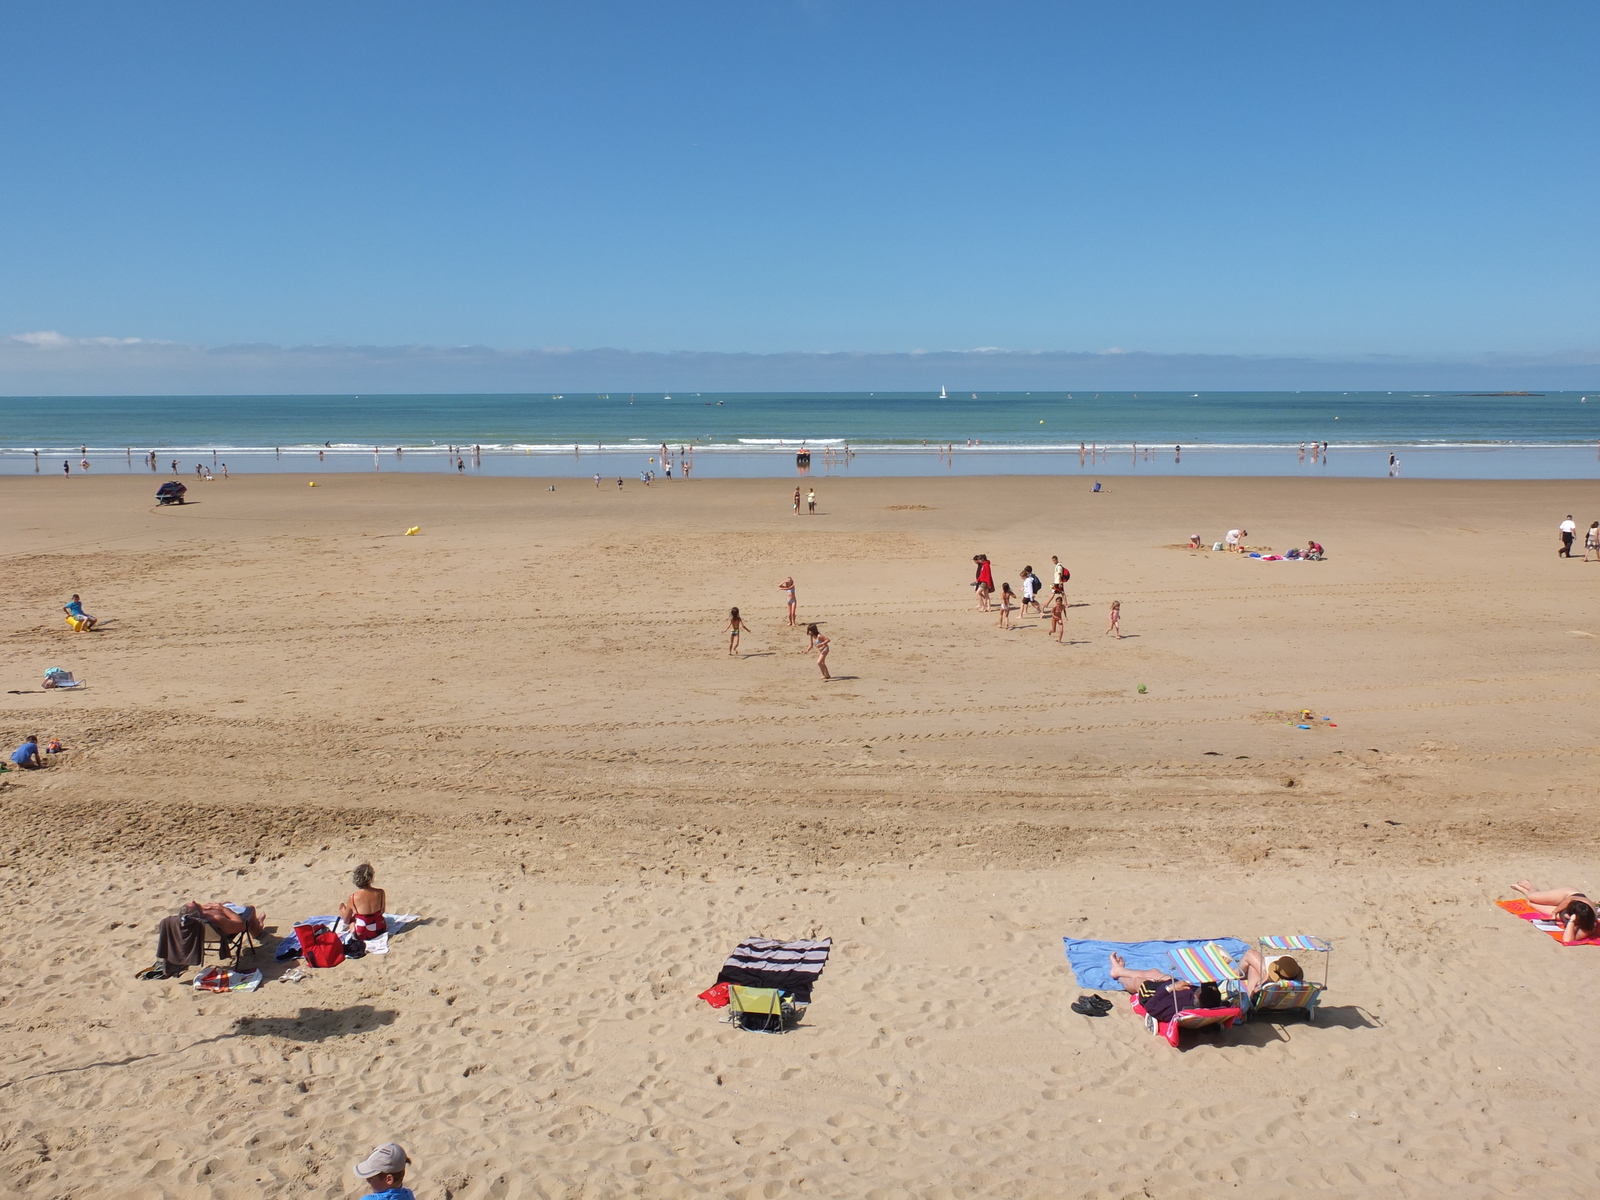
pixel 789 966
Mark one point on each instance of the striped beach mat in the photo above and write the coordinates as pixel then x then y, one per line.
pixel 792 967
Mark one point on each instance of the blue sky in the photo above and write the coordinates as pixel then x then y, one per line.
pixel 1408 179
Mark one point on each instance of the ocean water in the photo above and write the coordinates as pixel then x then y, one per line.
pixel 1440 435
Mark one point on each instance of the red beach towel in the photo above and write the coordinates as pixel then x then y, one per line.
pixel 1521 908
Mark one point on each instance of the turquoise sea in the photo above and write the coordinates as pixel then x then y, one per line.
pixel 1439 435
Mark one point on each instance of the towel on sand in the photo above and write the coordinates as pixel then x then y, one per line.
pixel 792 967
pixel 1542 921
pixel 1091 960
pixel 395 923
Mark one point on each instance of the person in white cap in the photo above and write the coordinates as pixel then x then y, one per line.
pixel 385 1170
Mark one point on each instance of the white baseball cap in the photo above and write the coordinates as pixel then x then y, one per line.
pixel 387 1159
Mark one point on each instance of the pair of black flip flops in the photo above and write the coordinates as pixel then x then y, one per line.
pixel 1091 1006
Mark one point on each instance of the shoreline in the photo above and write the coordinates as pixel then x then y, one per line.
pixel 1504 462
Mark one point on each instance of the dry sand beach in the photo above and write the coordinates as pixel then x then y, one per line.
pixel 525 717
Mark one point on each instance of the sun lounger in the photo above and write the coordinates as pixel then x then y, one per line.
pixel 1188 1018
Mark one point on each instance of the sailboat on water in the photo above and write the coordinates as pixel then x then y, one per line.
pixel 943 395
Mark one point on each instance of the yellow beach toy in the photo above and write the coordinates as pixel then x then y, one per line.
pixel 414 530
pixel 79 624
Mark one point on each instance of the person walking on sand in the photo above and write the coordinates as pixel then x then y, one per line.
pixel 1058 612
pixel 819 643
pixel 1006 597
pixel 1569 529
pixel 984 583
pixel 1029 580
pixel 797 502
pixel 1591 541
pixel 1116 619
pixel 811 502
pixel 787 588
pixel 736 626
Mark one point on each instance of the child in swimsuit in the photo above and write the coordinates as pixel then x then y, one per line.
pixel 736 626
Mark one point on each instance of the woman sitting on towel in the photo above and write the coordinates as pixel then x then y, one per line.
pixel 363 912
pixel 1572 908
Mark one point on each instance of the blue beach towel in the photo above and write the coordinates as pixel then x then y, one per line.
pixel 1091 960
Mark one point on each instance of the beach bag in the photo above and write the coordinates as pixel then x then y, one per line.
pixel 319 945
pixel 716 995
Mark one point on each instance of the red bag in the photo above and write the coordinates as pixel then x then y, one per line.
pixel 716 995
pixel 319 945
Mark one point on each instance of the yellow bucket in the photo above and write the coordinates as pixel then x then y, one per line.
pixel 78 624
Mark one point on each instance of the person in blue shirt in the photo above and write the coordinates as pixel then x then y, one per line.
pixel 385 1172
pixel 74 608
pixel 26 755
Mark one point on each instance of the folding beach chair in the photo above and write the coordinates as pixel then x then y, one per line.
pixel 227 945
pixel 1290 995
pixel 758 1010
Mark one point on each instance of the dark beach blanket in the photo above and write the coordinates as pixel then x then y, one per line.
pixel 792 967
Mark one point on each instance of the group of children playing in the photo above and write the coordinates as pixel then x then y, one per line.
pixel 1032 589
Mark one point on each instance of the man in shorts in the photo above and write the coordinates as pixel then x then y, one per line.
pixel 74 609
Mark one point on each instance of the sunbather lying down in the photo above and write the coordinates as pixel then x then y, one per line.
pixel 1253 967
pixel 180 938
pixel 1571 907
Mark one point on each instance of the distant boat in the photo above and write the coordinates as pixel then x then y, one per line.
pixel 943 395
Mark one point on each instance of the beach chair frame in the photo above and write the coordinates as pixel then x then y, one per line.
pixel 760 1010
pixel 227 945
pixel 1288 996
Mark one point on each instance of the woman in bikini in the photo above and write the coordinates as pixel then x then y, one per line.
pixel 363 912
pixel 819 643
pixel 787 588
pixel 1571 907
